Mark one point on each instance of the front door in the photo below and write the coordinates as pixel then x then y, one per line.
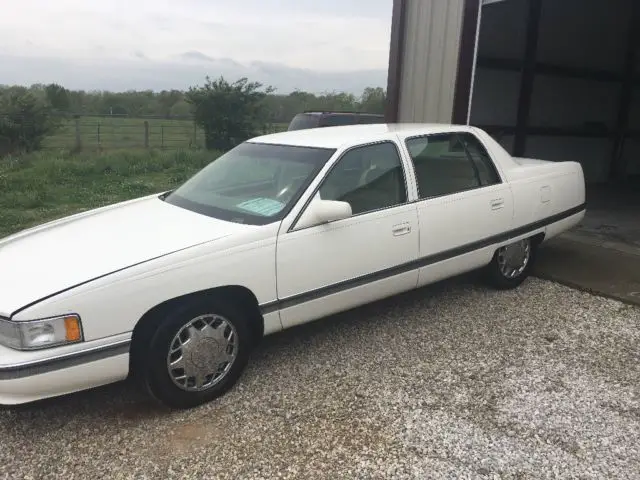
pixel 332 267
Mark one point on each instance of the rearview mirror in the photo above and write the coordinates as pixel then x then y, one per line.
pixel 323 211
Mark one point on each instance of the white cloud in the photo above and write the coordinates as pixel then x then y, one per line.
pixel 321 35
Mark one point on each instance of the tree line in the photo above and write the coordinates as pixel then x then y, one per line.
pixel 228 112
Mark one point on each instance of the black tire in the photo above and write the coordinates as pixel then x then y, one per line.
pixel 155 373
pixel 494 276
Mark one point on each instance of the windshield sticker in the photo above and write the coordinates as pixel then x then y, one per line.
pixel 262 206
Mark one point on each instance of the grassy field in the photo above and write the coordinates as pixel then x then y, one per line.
pixel 45 186
pixel 53 183
pixel 114 133
pixel 109 133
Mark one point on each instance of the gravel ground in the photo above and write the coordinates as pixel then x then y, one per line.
pixel 453 381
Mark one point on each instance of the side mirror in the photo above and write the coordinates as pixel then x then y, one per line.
pixel 323 211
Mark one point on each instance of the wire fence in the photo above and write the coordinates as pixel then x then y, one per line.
pixel 112 132
pixel 107 133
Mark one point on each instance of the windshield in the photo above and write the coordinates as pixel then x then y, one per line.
pixel 254 183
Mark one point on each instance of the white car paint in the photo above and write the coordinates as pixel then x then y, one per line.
pixel 113 265
pixel 67 253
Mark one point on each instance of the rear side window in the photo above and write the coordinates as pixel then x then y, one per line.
pixel 481 159
pixel 442 165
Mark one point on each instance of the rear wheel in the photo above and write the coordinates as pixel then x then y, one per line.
pixel 197 353
pixel 511 264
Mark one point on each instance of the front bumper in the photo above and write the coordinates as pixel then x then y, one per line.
pixel 35 375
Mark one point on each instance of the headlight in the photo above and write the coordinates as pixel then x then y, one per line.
pixel 38 334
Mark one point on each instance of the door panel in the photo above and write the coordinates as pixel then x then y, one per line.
pixel 453 228
pixel 339 265
pixel 334 259
pixel 464 219
pixel 463 203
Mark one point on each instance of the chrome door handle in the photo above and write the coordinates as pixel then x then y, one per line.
pixel 401 229
pixel 497 203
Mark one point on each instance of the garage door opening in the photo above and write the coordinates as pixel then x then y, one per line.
pixel 560 80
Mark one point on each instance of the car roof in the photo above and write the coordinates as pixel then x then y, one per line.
pixel 345 135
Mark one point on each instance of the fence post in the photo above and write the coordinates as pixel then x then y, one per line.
pixel 162 137
pixel 99 142
pixel 146 134
pixel 195 134
pixel 78 147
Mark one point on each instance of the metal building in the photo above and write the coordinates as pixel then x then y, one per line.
pixel 551 79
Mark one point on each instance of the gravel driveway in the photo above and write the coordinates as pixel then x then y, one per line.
pixel 453 381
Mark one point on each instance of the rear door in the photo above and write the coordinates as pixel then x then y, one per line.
pixel 463 203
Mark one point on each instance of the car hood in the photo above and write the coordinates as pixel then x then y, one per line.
pixel 59 255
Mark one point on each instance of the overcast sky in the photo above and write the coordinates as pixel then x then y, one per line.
pixel 73 38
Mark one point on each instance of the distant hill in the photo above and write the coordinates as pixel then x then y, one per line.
pixel 179 72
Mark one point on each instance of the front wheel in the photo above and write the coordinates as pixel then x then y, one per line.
pixel 197 353
pixel 511 264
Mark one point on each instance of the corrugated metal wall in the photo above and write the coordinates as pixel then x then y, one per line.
pixel 430 63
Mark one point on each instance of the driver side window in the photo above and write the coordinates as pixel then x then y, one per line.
pixel 369 178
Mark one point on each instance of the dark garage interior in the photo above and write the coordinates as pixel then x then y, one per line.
pixel 560 80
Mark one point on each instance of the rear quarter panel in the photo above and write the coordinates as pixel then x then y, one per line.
pixel 542 190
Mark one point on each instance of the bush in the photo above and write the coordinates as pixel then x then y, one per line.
pixel 229 113
pixel 25 120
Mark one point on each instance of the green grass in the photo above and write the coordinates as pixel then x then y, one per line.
pixel 109 133
pixel 114 133
pixel 53 183
pixel 45 186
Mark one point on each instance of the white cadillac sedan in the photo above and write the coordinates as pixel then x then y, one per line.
pixel 175 289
